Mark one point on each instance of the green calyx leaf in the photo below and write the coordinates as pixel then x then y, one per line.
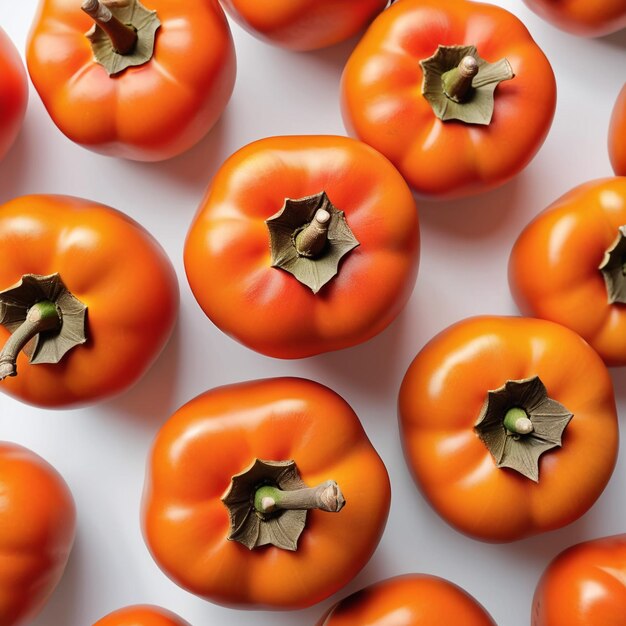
pixel 520 448
pixel 132 14
pixel 311 251
pixel 455 96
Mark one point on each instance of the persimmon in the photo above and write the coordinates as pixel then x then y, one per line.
pixel 245 493
pixel 13 93
pixel 37 526
pixel 132 81
pixel 584 586
pixel 582 17
pixel 304 245
pixel 567 265
pixel 509 426
pixel 88 299
pixel 141 615
pixel 303 24
pixel 455 94
pixel 409 600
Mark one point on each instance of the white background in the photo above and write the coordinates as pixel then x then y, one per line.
pixel 101 450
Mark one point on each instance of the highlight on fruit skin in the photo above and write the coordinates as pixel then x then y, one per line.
pixel 142 615
pixel 585 585
pixel 415 599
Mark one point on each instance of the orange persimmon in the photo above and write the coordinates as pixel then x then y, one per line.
pixel 147 84
pixel 617 134
pixel 584 586
pixel 303 24
pixel 409 600
pixel 231 477
pixel 88 300
pixel 267 271
pixel 13 93
pixel 37 524
pixel 566 266
pixel 509 426
pixel 141 615
pixel 419 88
pixel 587 18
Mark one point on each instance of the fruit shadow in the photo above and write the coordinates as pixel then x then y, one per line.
pixel 617 39
pixel 17 166
pixel 197 166
pixel 477 216
pixel 335 57
pixel 618 374
pixel 371 573
pixel 68 602
pixel 152 400
pixel 371 367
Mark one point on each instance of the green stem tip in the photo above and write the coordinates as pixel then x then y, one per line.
pixel 516 421
pixel 326 497
pixel 42 316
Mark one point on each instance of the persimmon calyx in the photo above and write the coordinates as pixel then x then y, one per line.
pixel 613 268
pixel 123 34
pixel 268 502
pixel 460 85
pixel 309 237
pixel 45 320
pixel 519 422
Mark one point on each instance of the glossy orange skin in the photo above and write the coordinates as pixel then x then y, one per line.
pixel 383 105
pixel 218 435
pixel 227 253
pixel 304 24
pixel 553 269
pixel 114 267
pixel 617 135
pixel 147 113
pixel 441 398
pixel 582 17
pixel 37 524
pixel 13 93
pixel 141 615
pixel 584 586
pixel 410 600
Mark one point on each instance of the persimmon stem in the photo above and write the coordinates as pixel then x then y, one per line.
pixel 123 38
pixel 312 239
pixel 41 317
pixel 516 421
pixel 326 497
pixel 457 82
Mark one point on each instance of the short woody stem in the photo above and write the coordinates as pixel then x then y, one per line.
pixel 326 497
pixel 457 82
pixel 313 238
pixel 123 38
pixel 516 421
pixel 41 317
